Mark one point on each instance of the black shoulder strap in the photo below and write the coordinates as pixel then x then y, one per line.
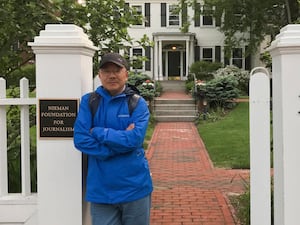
pixel 95 99
pixel 132 102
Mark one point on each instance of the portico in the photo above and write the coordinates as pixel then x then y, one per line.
pixel 173 55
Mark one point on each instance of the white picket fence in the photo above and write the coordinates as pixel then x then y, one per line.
pixel 9 202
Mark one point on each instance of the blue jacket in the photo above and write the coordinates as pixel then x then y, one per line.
pixel 118 171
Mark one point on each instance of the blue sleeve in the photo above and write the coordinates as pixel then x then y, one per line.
pixel 122 141
pixel 83 139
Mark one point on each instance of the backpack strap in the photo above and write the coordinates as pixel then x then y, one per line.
pixel 132 102
pixel 95 99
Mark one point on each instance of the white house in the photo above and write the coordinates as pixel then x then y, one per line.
pixel 175 51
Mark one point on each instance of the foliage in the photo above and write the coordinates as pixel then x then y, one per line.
pixel 241 205
pixel 219 92
pixel 204 69
pixel 105 22
pixel 248 22
pixel 14 145
pixel 27 71
pixel 144 84
pixel 19 23
pixel 266 59
pixel 241 75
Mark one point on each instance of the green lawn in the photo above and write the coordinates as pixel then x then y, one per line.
pixel 227 139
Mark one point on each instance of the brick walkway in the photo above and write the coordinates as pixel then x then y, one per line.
pixel 187 188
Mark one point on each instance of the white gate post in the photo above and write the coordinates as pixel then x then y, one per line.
pixel 260 184
pixel 63 72
pixel 285 52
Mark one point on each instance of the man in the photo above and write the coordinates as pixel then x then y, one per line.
pixel 119 184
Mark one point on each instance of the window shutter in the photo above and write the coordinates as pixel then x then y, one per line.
pixel 197 15
pixel 147 15
pixel 163 12
pixel 217 53
pixel 197 53
pixel 247 60
pixel 184 14
pixel 218 19
pixel 148 56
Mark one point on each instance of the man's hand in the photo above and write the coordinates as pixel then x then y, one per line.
pixel 130 127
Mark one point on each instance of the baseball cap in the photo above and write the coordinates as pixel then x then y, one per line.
pixel 113 58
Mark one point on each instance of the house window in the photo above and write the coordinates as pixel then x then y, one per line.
pixel 174 15
pixel 207 54
pixel 137 53
pixel 139 11
pixel 237 57
pixel 207 16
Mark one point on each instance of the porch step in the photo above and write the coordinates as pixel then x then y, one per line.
pixel 175 110
pixel 173 85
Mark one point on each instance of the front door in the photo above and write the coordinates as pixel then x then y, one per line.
pixel 173 64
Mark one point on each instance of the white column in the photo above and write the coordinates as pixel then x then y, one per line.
pixel 187 43
pixel 192 53
pixel 160 66
pixel 156 60
pixel 63 71
pixel 167 65
pixel 285 52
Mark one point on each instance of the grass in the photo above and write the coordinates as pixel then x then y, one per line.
pixel 227 139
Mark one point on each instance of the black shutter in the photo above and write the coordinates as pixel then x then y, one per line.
pixel 247 60
pixel 148 56
pixel 197 15
pixel 218 19
pixel 197 53
pixel 147 15
pixel 217 53
pixel 163 14
pixel 184 13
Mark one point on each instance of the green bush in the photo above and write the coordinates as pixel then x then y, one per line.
pixel 241 75
pixel 219 92
pixel 28 71
pixel 204 70
pixel 144 84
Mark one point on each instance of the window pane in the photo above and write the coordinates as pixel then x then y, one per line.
pixel 207 20
pixel 207 54
pixel 237 53
pixel 173 15
pixel 139 11
pixel 238 62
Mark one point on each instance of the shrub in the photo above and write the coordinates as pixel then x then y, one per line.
pixel 144 84
pixel 219 92
pixel 27 71
pixel 242 76
pixel 204 69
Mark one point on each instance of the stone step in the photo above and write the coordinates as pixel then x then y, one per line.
pixel 175 107
pixel 175 118
pixel 173 85
pixel 176 110
pixel 159 101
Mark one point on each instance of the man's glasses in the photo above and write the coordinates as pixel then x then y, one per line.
pixel 107 72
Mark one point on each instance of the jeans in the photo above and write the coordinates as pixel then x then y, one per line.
pixel 130 213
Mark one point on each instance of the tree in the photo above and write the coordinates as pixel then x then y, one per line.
pixel 105 22
pixel 255 18
pixel 20 21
